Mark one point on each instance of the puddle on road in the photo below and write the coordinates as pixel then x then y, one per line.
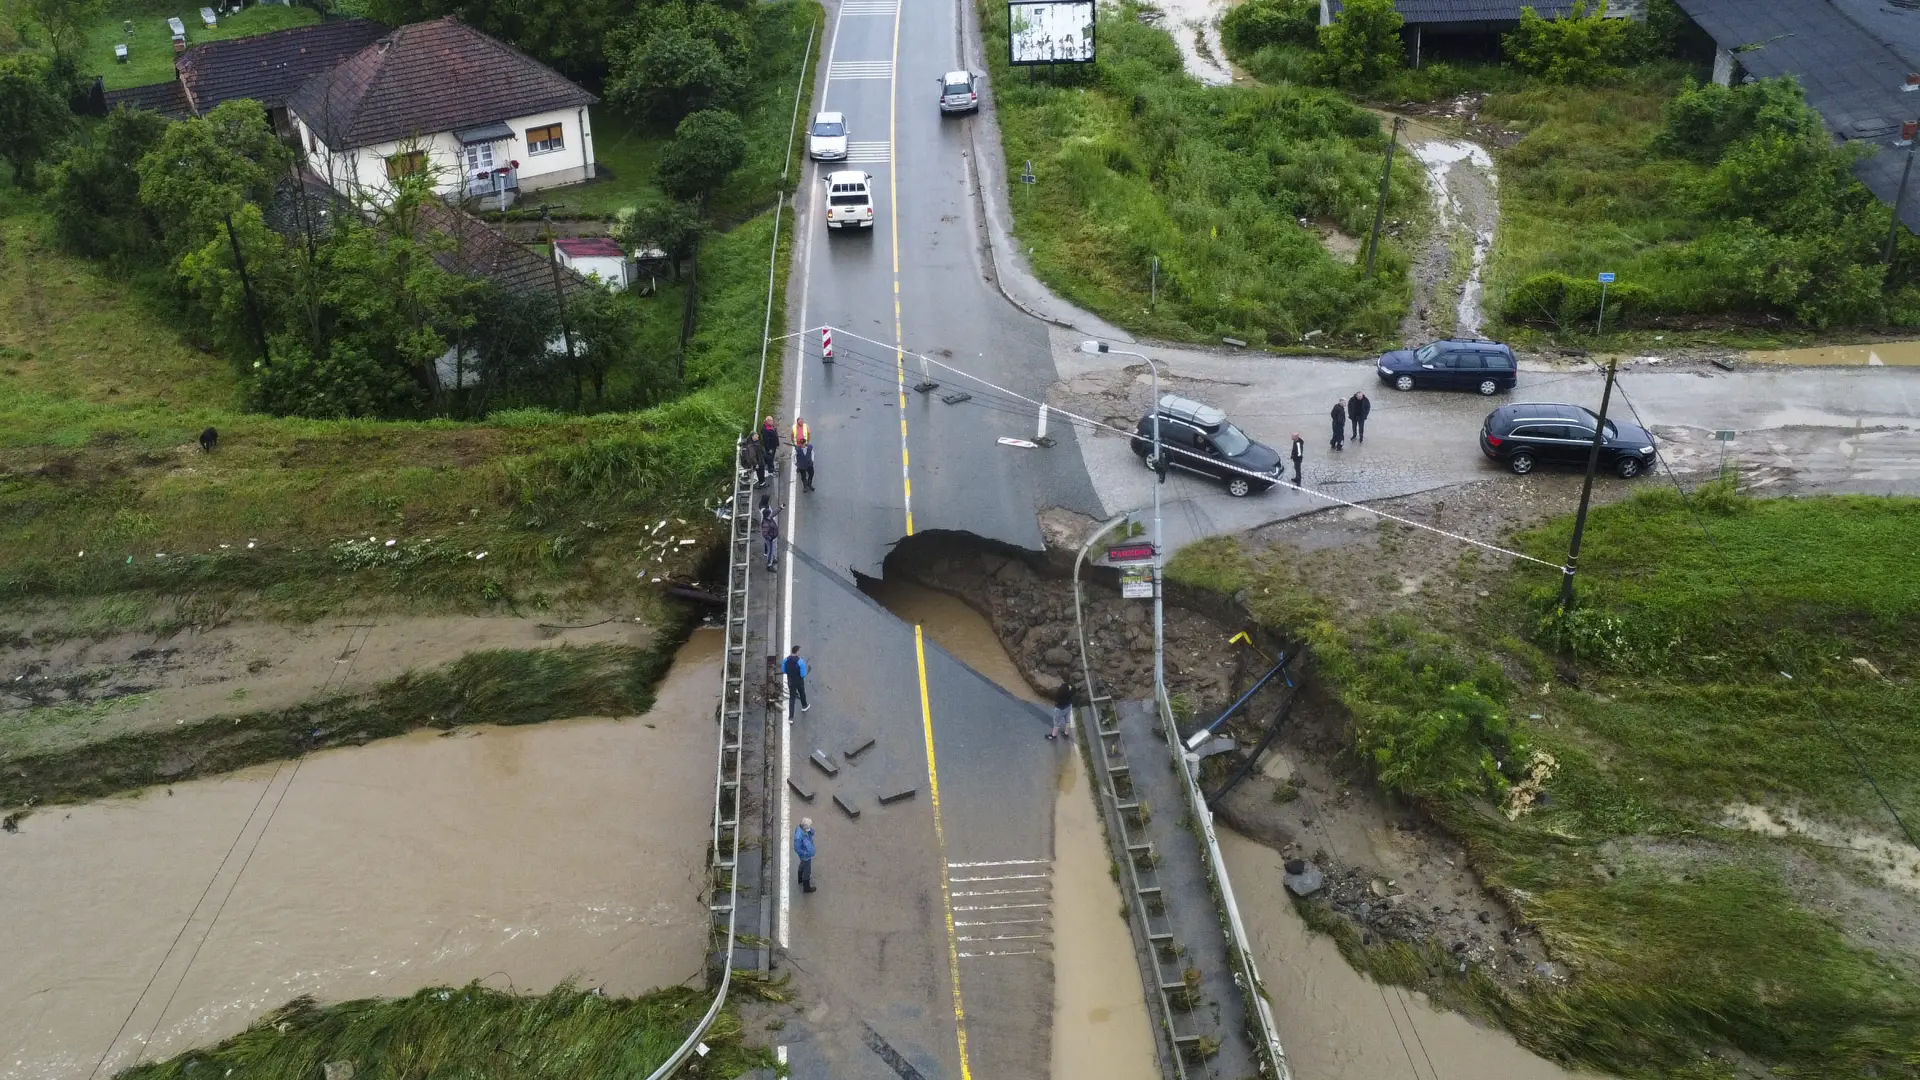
pixel 1885 354
pixel 519 856
pixel 1336 1023
pixel 1100 1024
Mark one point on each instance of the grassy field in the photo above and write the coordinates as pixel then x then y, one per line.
pixel 150 46
pixel 565 1034
pixel 629 151
pixel 1137 161
pixel 105 491
pixel 1673 731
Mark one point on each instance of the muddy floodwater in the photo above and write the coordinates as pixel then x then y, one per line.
pixel 1884 354
pixel 136 928
pixel 1100 1023
pixel 1336 1023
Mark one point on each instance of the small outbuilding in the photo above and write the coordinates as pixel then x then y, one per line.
pixel 596 257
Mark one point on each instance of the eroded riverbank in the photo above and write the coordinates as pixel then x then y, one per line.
pixel 519 856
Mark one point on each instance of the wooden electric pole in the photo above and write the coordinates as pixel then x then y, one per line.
pixel 1586 492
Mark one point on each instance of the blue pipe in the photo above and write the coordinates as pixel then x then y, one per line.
pixel 1235 707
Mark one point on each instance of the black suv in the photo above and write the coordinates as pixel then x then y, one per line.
pixel 1451 364
pixel 1532 434
pixel 1198 438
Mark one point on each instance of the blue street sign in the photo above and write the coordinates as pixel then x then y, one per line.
pixel 1606 278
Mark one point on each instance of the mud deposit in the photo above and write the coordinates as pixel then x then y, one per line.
pixel 1338 1024
pixel 1100 1024
pixel 519 856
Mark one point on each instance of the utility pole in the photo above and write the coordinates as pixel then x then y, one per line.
pixel 1380 204
pixel 1899 200
pixel 246 285
pixel 1586 491
pixel 560 299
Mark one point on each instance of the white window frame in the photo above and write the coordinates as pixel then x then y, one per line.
pixel 552 146
pixel 478 158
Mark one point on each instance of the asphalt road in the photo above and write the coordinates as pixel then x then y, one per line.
pixel 905 953
pixel 1797 430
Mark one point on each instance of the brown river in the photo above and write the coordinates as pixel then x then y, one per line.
pixel 1335 1023
pixel 135 928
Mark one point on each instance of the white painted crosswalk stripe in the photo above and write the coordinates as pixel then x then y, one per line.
pixel 861 69
pixel 869 152
pixel 867 7
pixel 1000 862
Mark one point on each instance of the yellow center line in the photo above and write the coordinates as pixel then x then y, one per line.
pixel 940 844
pixel 893 223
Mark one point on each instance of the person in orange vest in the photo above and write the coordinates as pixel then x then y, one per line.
pixel 801 435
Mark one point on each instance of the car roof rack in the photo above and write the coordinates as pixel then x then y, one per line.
pixel 1205 415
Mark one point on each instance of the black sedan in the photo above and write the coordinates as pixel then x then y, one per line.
pixel 1526 435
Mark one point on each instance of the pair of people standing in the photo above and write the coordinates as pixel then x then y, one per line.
pixel 761 452
pixel 1354 410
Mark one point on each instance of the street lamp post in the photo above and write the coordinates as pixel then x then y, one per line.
pixel 1159 553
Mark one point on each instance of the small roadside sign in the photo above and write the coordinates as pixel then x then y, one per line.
pixel 1137 583
pixel 1130 555
pixel 1606 278
pixel 1026 176
pixel 1724 435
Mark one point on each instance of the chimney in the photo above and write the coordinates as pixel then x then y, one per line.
pixel 1913 81
pixel 1908 129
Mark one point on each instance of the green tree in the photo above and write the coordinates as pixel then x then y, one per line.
pixel 663 225
pixel 1362 44
pixel 1701 121
pixel 606 326
pixel 65 22
pixel 570 35
pixel 206 168
pixel 706 148
pixel 1583 46
pixel 96 191
pixel 507 351
pixel 33 114
pixel 1256 24
pixel 679 58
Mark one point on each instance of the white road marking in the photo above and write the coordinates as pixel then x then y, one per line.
pixel 998 907
pixel 1002 892
pixel 1004 877
pixel 1002 952
pixel 866 7
pixel 1002 862
pixel 999 922
pixel 868 153
pixel 860 69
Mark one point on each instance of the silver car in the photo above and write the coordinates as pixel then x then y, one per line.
pixel 958 94
pixel 827 139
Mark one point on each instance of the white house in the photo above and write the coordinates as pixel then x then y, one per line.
pixel 596 257
pixel 485 120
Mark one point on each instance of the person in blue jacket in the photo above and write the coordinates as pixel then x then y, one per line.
pixel 795 666
pixel 803 850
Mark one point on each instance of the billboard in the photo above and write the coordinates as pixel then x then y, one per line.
pixel 1050 32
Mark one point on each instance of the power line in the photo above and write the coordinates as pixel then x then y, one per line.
pixel 1264 478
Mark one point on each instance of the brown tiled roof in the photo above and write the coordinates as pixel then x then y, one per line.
pixel 169 99
pixel 480 250
pixel 427 78
pixel 267 68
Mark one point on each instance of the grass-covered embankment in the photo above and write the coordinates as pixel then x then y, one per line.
pixel 1664 724
pixel 104 491
pixel 564 1034
pixel 495 686
pixel 1135 160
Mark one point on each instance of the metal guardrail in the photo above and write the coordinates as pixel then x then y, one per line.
pixel 733 681
pixel 1248 976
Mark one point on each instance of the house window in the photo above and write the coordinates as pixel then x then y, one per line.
pixel 479 158
pixel 313 142
pixel 546 139
pixel 407 164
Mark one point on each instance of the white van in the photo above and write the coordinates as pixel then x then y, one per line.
pixel 849 200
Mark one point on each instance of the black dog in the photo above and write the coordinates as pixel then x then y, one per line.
pixel 209 439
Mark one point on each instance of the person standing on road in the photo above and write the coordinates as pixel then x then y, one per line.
pixel 770 532
pixel 803 464
pixel 755 459
pixel 1339 426
pixel 1299 454
pixel 795 666
pixel 769 440
pixel 801 434
pixel 1062 710
pixel 803 850
pixel 1358 406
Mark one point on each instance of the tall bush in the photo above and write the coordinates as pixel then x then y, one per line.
pixel 1583 46
pixel 1362 44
